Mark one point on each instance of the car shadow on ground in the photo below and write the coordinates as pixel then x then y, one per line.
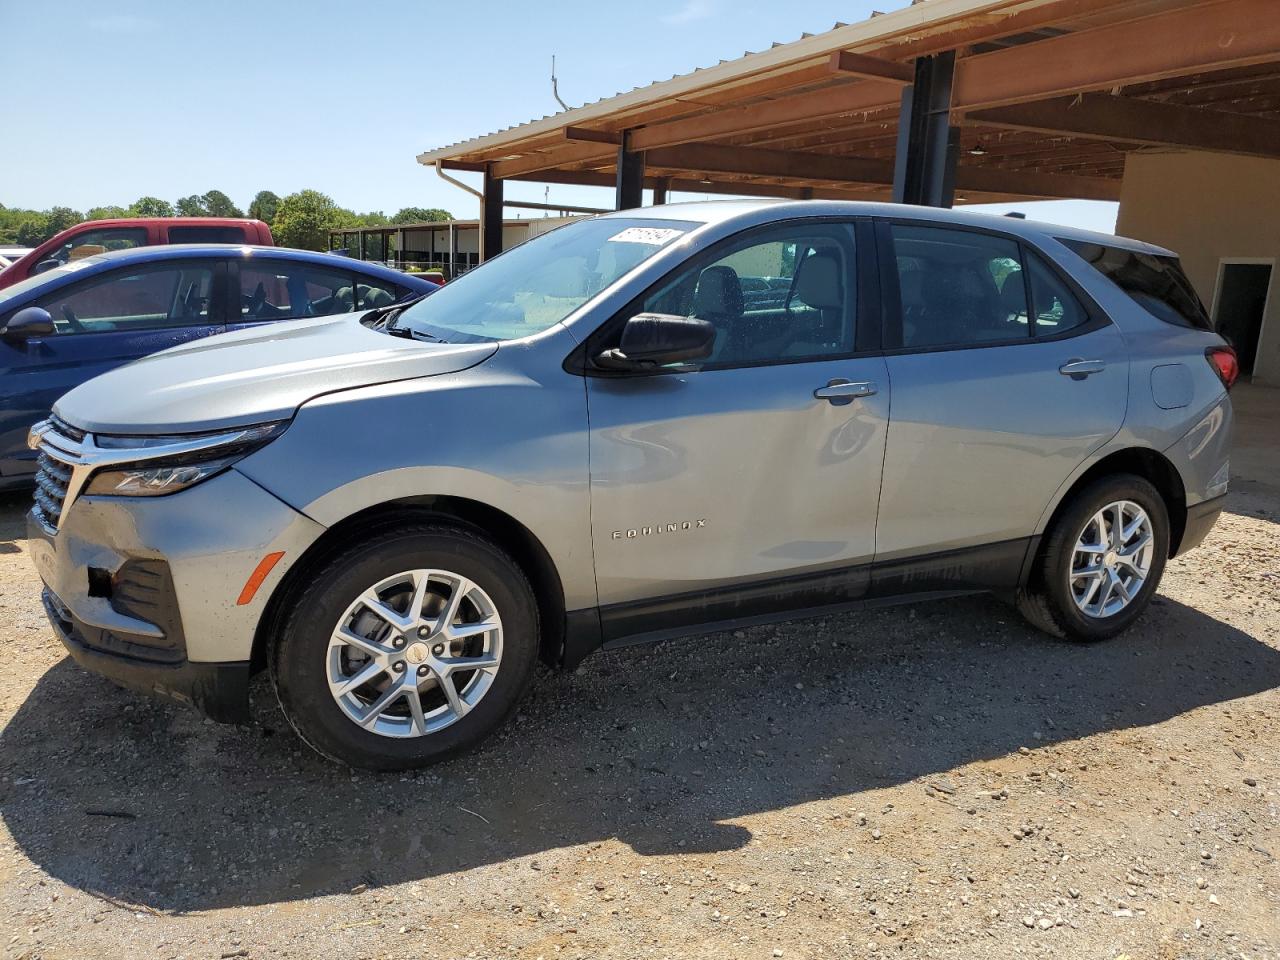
pixel 661 747
pixel 13 523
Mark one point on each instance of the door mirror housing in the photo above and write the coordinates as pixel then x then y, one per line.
pixel 44 266
pixel 27 323
pixel 652 340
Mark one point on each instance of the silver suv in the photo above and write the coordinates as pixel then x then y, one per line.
pixel 656 422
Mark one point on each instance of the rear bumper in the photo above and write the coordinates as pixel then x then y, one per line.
pixel 1200 520
pixel 219 690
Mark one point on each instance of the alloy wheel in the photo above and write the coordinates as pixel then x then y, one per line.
pixel 1111 559
pixel 414 653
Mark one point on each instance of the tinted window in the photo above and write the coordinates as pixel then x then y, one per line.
pixel 93 242
pixel 788 296
pixel 958 287
pixel 1056 307
pixel 160 296
pixel 276 290
pixel 1157 284
pixel 206 235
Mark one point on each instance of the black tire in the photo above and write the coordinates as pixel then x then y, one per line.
pixel 299 655
pixel 1047 602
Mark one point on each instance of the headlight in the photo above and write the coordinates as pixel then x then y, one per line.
pixel 164 465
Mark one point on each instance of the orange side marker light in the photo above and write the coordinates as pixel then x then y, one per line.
pixel 264 567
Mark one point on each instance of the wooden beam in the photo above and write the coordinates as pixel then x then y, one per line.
pixel 464 165
pixel 1100 116
pixel 711 159
pixel 1194 39
pixel 753 161
pixel 592 136
pixel 796 108
pixel 546 160
pixel 870 68
pixel 1028 183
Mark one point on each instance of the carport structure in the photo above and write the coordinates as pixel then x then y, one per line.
pixel 971 100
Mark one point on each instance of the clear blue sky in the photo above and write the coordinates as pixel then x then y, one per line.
pixel 106 102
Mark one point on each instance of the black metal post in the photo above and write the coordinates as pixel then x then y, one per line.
pixel 491 217
pixel 660 188
pixel 928 148
pixel 630 183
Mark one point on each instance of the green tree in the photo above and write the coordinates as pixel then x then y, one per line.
pixel 109 212
pixel 219 205
pixel 31 230
pixel 421 215
pixel 192 206
pixel 264 206
pixel 304 219
pixel 59 218
pixel 151 207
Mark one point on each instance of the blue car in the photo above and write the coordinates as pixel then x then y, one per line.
pixel 64 327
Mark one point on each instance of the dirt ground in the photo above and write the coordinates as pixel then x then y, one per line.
pixel 926 781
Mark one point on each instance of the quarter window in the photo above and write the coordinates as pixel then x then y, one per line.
pixel 1057 310
pixel 959 288
pixel 163 296
pixel 788 297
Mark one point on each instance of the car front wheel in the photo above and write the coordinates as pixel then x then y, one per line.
pixel 1101 561
pixel 407 649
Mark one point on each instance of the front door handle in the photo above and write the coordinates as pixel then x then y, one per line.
pixel 839 391
pixel 1079 369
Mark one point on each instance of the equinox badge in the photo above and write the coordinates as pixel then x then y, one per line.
pixel 676 527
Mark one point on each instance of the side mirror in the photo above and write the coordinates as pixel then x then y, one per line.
pixel 27 323
pixel 45 265
pixel 652 340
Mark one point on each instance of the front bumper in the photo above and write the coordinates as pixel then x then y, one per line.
pixel 218 690
pixel 144 590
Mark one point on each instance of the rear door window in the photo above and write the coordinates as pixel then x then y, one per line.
pixel 959 288
pixel 1157 284
pixel 279 290
pixel 198 234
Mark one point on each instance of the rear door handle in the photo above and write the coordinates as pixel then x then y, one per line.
pixel 839 392
pixel 1079 369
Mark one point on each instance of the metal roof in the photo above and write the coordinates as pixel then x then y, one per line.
pixel 1050 96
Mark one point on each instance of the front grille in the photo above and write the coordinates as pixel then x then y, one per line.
pixel 59 447
pixel 52 478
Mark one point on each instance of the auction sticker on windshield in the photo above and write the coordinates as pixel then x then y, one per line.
pixel 656 236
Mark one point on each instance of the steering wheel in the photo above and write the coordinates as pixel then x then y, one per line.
pixel 72 320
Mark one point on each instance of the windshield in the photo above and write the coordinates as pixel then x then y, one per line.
pixel 22 286
pixel 537 284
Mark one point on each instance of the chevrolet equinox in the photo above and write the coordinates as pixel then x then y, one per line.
pixel 650 423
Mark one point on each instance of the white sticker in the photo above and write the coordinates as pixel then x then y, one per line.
pixel 655 236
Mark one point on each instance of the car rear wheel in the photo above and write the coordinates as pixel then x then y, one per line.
pixel 1101 562
pixel 407 649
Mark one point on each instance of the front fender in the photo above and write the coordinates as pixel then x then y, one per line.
pixel 496 437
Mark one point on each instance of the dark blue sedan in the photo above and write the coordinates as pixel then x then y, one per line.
pixel 70 324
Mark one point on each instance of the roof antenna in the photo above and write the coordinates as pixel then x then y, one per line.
pixel 555 92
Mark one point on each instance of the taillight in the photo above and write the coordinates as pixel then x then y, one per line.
pixel 1224 363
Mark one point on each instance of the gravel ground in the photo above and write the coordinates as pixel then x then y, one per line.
pixel 932 781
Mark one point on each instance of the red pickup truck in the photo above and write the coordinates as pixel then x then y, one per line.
pixel 99 236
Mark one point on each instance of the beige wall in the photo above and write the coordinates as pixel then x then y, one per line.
pixel 1207 207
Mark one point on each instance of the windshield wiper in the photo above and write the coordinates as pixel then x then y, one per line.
pixel 408 333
